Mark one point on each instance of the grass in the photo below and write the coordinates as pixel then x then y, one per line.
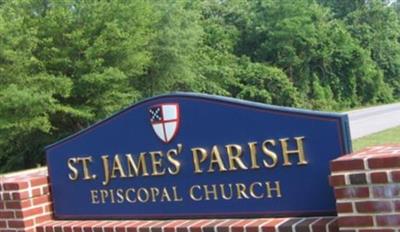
pixel 389 136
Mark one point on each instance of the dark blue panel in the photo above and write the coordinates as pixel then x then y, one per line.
pixel 200 121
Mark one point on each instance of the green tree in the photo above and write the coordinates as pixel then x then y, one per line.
pixel 28 95
pixel 63 66
pixel 224 72
pixel 377 27
pixel 341 8
pixel 177 36
pixel 304 40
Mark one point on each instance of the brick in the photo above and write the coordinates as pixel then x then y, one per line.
pixel 304 226
pixel 386 191
pixel 20 223
pixel 29 212
pixel 27 230
pixel 87 227
pixel 67 227
pixel 41 199
pixel 347 165
pixel 2 205
pixel 7 214
pixel 203 223
pixel 48 208
pixel 388 220
pixel 39 229
pixel 379 178
pixel 144 227
pixel 122 225
pixel 79 227
pixel 181 228
pixel 236 225
pixel 5 196
pixel 133 226
pixel 3 224
pixel 373 206
pixel 43 180
pixel 337 180
pixel 333 225
pixel 15 186
pixel 36 192
pixel 355 221
pixel 395 176
pixel 359 178
pixel 43 218
pixel 59 227
pixel 48 228
pixel 18 204
pixel 211 227
pixel 197 225
pixel 98 227
pixel 287 226
pixel 253 226
pixel 396 205
pixel 352 192
pixel 200 225
pixel 157 227
pixel 240 226
pixel 320 224
pixel 171 227
pixel 45 189
pixel 383 162
pixel 20 195
pixel 345 207
pixel 271 226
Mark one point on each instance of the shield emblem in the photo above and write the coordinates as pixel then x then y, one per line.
pixel 164 119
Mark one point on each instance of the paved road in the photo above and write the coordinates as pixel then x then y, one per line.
pixel 373 119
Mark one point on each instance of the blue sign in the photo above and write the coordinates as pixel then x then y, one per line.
pixel 190 155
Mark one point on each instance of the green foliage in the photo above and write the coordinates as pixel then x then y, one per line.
pixel 376 26
pixel 63 66
pixel 314 49
pixel 177 36
pixel 66 64
pixel 262 82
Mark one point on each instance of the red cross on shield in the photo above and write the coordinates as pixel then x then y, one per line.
pixel 164 119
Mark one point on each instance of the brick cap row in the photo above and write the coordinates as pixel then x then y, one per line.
pixel 314 224
pixel 24 180
pixel 371 158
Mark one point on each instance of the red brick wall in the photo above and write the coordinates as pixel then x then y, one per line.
pixel 366 184
pixel 367 189
pixel 24 200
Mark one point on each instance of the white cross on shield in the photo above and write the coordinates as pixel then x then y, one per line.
pixel 164 119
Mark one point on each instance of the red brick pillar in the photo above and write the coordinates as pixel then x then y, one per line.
pixel 24 200
pixel 367 190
